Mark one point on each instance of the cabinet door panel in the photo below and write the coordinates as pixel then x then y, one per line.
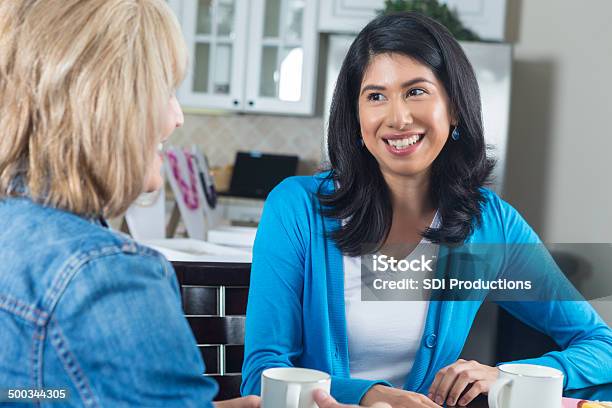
pixel 221 83
pixel 215 31
pixel 294 23
pixel 204 17
pixel 201 65
pixel 272 17
pixel 268 74
pixel 290 74
pixel 226 13
pixel 283 74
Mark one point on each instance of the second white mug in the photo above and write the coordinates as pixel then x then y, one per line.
pixel 526 385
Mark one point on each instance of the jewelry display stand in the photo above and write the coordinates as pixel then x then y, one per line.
pixel 182 171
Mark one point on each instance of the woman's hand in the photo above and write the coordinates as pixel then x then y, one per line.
pixel 324 400
pixel 452 380
pixel 251 401
pixel 396 398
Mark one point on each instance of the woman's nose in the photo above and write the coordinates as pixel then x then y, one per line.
pixel 178 112
pixel 400 115
pixel 180 118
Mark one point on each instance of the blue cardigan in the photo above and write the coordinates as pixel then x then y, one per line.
pixel 296 311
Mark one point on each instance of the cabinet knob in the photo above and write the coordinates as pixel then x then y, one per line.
pixel 251 103
pixel 236 103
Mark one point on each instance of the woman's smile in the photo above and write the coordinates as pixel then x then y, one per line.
pixel 403 145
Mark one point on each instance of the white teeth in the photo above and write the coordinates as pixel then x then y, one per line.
pixel 405 142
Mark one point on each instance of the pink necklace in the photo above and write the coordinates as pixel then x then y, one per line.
pixel 189 191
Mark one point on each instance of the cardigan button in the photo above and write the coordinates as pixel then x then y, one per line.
pixel 431 341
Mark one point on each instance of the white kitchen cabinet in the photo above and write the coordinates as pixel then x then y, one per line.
pixel 250 55
pixel 487 18
pixel 216 33
pixel 282 55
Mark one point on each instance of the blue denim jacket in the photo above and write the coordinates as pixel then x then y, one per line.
pixel 89 311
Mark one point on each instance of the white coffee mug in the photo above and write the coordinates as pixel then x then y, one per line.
pixel 290 387
pixel 526 385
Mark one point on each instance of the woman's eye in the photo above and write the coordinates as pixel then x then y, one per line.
pixel 416 92
pixel 376 97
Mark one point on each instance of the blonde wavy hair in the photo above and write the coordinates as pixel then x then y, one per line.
pixel 83 84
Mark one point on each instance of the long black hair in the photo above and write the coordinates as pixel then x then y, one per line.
pixel 362 199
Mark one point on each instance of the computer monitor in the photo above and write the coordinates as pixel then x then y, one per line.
pixel 256 174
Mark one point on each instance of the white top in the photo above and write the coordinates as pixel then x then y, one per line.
pixel 383 336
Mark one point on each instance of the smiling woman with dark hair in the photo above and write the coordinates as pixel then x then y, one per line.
pixel 442 78
pixel 408 166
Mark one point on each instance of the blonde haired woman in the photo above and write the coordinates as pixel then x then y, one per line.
pixel 86 96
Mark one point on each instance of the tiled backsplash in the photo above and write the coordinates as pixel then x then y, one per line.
pixel 221 136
